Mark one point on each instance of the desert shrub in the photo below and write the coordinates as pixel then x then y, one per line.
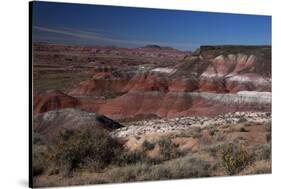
pixel 212 131
pixel 261 170
pixel 219 137
pixel 38 139
pixel 138 156
pixel 258 167
pixel 262 167
pixel 237 128
pixel 268 126
pixel 39 159
pixel 168 150
pixel 268 137
pixel 129 173
pixel 186 167
pixel 234 158
pixel 268 130
pixel 146 145
pixel 213 149
pixel 91 148
pixel 242 129
pixel 195 132
pixel 134 157
pixel 262 152
pixel 159 172
pixel 192 167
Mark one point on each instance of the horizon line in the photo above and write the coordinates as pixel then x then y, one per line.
pixel 162 46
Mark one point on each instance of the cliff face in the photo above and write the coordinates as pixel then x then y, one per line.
pixel 211 81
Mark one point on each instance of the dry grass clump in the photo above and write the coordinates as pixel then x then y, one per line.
pixel 85 148
pixel 268 130
pixel 128 158
pixel 261 152
pixel 168 150
pixel 146 145
pixel 90 148
pixel 234 158
pixel 258 167
pixel 40 159
pixel 184 167
pixel 40 156
pixel 129 173
pixel 194 132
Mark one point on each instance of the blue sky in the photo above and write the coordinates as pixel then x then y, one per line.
pixel 135 27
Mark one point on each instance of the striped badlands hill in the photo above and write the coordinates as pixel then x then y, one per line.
pixel 211 81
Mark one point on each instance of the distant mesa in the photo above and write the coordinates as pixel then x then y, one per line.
pixel 153 46
pixel 158 47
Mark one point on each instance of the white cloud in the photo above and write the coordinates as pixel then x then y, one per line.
pixel 109 39
pixel 79 34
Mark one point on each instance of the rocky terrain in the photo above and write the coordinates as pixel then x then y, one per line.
pixel 144 127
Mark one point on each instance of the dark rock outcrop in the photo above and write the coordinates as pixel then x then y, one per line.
pixel 51 123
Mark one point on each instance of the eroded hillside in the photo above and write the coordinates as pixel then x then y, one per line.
pixel 159 81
